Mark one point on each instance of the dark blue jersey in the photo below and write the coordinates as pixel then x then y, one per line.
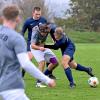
pixel 30 24
pixel 52 27
pixel 65 44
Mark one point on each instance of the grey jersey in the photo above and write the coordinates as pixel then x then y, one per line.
pixel 37 38
pixel 11 44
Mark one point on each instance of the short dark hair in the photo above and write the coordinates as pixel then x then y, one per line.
pixel 36 9
pixel 10 12
pixel 44 28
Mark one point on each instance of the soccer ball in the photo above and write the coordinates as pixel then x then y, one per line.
pixel 93 81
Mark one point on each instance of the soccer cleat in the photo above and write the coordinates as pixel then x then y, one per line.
pixel 72 85
pixel 90 72
pixel 52 76
pixel 39 85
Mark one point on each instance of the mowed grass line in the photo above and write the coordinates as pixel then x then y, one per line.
pixel 86 54
pixel 84 37
pixel 81 37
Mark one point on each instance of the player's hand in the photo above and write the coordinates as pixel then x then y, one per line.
pixel 42 48
pixel 52 83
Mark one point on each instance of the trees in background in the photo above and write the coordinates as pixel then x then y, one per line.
pixel 86 13
pixel 26 6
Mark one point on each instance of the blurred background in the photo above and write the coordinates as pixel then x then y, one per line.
pixel 79 18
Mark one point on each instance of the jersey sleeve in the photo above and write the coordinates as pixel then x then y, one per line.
pixel 55 46
pixel 19 45
pixel 44 19
pixel 24 28
pixel 52 35
pixel 34 37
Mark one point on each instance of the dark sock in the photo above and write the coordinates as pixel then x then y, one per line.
pixel 47 66
pixel 69 75
pixel 38 81
pixel 81 68
pixel 23 72
pixel 47 72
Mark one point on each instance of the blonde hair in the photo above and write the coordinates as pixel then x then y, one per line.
pixel 59 30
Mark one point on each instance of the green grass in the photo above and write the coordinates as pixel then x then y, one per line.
pixel 86 54
pixel 82 37
pixel 79 37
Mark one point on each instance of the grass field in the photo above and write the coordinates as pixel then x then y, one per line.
pixel 86 54
pixel 82 37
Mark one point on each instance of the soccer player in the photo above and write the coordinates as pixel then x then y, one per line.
pixel 52 27
pixel 68 49
pixel 30 24
pixel 41 54
pixel 13 54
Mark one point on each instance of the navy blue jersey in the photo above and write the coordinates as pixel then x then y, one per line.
pixel 65 44
pixel 30 24
pixel 52 30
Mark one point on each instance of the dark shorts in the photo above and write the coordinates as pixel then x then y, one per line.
pixel 69 51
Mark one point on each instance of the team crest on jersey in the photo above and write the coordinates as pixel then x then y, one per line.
pixel 35 28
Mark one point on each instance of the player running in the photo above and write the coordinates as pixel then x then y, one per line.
pixel 68 49
pixel 13 54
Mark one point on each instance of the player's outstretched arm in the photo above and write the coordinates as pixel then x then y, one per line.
pixel 36 47
pixel 55 46
pixel 35 72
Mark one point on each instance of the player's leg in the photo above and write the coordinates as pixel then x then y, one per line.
pixel 51 66
pixel 67 57
pixel 68 72
pixel 41 66
pixel 51 75
pixel 39 56
pixel 52 61
pixel 79 67
pixel 15 94
pixel 30 57
pixel 23 72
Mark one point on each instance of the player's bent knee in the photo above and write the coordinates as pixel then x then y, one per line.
pixel 73 65
pixel 54 61
pixel 65 64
